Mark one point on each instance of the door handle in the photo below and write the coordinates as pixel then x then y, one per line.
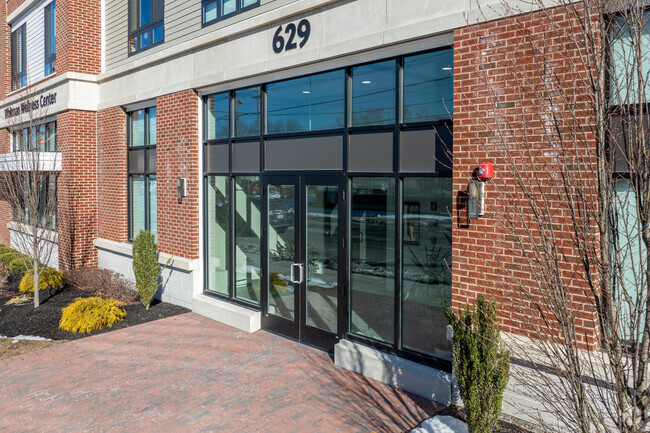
pixel 301 273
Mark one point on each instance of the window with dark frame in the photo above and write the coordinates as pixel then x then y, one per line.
pixel 141 160
pixel 146 27
pixel 50 38
pixel 217 10
pixel 41 138
pixel 19 57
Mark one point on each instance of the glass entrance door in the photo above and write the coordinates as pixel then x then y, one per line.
pixel 305 266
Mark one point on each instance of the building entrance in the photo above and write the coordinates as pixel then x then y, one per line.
pixel 304 244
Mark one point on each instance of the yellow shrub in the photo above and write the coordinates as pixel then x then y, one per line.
pixel 49 279
pixel 84 315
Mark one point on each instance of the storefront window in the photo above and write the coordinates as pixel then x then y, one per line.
pixel 248 228
pixel 426 264
pixel 372 258
pixel 218 237
pixel 312 103
pixel 373 94
pixel 218 116
pixel 247 112
pixel 428 86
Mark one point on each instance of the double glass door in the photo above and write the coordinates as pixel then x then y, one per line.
pixel 305 261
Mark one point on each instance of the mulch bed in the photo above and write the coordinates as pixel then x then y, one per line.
pixel 44 321
pixel 507 424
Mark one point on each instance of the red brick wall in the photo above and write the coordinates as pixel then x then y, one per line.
pixel 177 153
pixel 489 92
pixel 5 210
pixel 78 36
pixel 111 174
pixel 77 188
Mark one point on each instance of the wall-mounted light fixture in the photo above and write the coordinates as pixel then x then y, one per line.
pixel 181 187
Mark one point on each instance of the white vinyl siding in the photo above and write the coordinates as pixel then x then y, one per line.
pixel 35 41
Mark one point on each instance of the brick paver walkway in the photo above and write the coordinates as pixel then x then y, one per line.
pixel 191 374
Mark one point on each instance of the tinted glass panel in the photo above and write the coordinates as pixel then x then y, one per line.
pixel 246 157
pixel 426 264
pixel 136 160
pixel 247 112
pixel 137 128
pixel 428 86
pixel 137 209
pixel 228 6
pixel 216 158
pixel 218 239
pixel 152 125
pixel 153 203
pixel 372 258
pixel 371 152
pixel 218 111
pixel 145 12
pixel 246 3
pixel 313 153
pixel 306 104
pixel 373 94
pixel 209 11
pixel 248 228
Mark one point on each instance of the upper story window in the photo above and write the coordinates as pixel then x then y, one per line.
pixel 50 38
pixel 215 10
pixel 19 57
pixel 145 24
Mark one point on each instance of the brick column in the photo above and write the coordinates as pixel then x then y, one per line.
pixel 177 152
pixel 77 188
pixel 111 175
pixel 78 36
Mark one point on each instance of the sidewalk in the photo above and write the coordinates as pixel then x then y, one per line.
pixel 191 374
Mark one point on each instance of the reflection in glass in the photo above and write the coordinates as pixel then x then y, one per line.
pixel 426 264
pixel 153 203
pixel 308 103
pixel 247 238
pixel 372 257
pixel 145 12
pixel 218 202
pixel 137 128
pixel 209 11
pixel 428 86
pixel 247 112
pixel 218 111
pixel 281 241
pixel 152 125
pixel 137 208
pixel 246 3
pixel 228 7
pixel 322 256
pixel 373 94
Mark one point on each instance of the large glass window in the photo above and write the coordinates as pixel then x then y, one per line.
pixel 215 10
pixel 217 233
pixel 629 60
pixel 145 24
pixel 50 39
pixel 428 86
pixel 218 116
pixel 426 264
pixel 247 112
pixel 19 57
pixel 372 257
pixel 248 233
pixel 312 103
pixel 373 94
pixel 142 171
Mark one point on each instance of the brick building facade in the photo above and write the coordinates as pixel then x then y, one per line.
pixel 284 192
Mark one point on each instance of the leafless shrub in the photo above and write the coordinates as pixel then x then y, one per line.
pixel 4 275
pixel 104 283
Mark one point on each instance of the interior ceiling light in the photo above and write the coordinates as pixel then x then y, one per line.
pixel 366 82
pixel 306 92
pixel 447 68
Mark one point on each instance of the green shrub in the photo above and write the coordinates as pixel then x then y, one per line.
pixel 7 256
pixel 49 279
pixel 5 249
pixel 145 266
pixel 17 266
pixel 85 315
pixel 481 364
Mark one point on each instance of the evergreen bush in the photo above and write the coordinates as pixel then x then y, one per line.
pixel 49 279
pixel 145 266
pixel 481 364
pixel 85 315
pixel 7 256
pixel 17 265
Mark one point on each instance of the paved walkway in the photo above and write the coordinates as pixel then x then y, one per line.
pixel 191 374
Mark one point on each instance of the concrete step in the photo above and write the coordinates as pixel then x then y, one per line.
pixel 239 317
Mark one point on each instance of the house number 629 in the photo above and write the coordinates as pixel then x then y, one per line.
pixel 302 30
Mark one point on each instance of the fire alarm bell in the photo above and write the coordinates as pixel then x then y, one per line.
pixel 485 171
